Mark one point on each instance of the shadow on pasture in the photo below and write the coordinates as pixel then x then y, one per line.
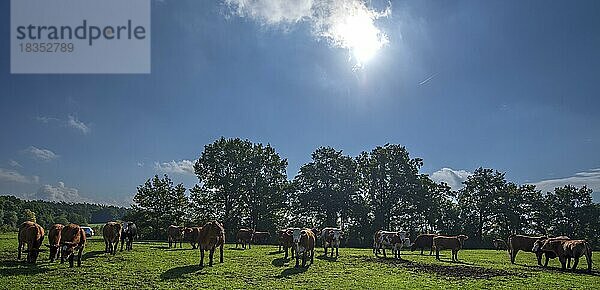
pixel 455 262
pixel 578 271
pixel 160 247
pixel 179 249
pixel 275 252
pixel 178 272
pixel 327 258
pixel 16 268
pixel 236 249
pixel 92 254
pixel 292 271
pixel 279 262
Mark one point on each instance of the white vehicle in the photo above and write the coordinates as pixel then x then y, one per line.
pixel 88 231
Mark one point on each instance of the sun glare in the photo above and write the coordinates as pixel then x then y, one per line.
pixel 359 34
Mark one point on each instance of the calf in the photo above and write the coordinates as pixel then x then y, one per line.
pixel 54 241
pixel 422 242
pixel 286 240
pixel 566 249
pixel 261 237
pixel 394 240
pixel 211 236
pixel 174 234
pixel 192 234
pixel 72 239
pixel 111 232
pixel 31 234
pixel 244 237
pixel 454 243
pixel 537 248
pixel 128 233
pixel 304 242
pixel 499 244
pixel 330 238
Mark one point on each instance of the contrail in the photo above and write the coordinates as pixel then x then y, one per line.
pixel 427 79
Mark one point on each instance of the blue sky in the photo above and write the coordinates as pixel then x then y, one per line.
pixel 511 85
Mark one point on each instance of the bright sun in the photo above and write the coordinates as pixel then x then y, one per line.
pixel 359 34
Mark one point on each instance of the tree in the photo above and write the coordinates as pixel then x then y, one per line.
pixel 566 208
pixel 327 185
pixel 389 182
pixel 27 216
pixel 158 204
pixel 478 200
pixel 240 183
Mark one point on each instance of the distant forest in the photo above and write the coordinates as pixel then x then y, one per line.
pixel 14 211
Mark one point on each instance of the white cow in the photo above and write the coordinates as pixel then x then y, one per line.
pixel 331 239
pixel 393 240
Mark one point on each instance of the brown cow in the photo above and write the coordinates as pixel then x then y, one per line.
pixel 537 248
pixel 72 239
pixel 422 242
pixel 175 234
pixel 54 240
pixel 111 232
pixel 304 242
pixel 286 240
pixel 192 234
pixel 244 237
pixel 261 237
pixel 518 243
pixel 454 243
pixel 31 234
pixel 212 235
pixel 330 237
pixel 565 249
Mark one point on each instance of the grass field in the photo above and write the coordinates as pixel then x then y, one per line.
pixel 152 265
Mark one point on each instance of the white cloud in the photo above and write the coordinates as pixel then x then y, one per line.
pixel 140 164
pixel 40 154
pixel 347 24
pixel 58 193
pixel 590 178
pixel 47 120
pixel 8 175
pixel 454 178
pixel 74 123
pixel 185 167
pixel 14 163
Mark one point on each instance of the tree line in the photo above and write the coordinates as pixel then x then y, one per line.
pixel 14 211
pixel 244 184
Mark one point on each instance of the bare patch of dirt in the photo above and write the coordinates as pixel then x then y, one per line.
pixel 454 271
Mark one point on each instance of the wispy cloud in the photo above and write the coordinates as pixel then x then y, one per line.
pixel 590 178
pixel 185 167
pixel 454 178
pixel 14 163
pixel 40 154
pixel 347 24
pixel 71 122
pixel 7 175
pixel 427 79
pixel 74 123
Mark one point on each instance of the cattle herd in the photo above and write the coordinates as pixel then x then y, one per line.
pixel 67 241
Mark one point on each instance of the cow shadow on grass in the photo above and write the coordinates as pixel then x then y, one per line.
pixel 456 262
pixel 92 254
pixel 160 247
pixel 292 271
pixel 275 252
pixel 179 272
pixel 236 249
pixel 17 268
pixel 579 271
pixel 279 262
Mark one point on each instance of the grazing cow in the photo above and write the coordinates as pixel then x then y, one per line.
pixel 537 249
pixel 261 237
pixel 304 242
pixel 111 232
pixel 72 239
pixel 566 249
pixel 128 233
pixel 454 243
pixel 330 238
pixel 499 244
pixel 191 235
pixel 54 241
pixel 211 236
pixel 244 237
pixel 31 234
pixel 518 243
pixel 394 240
pixel 286 240
pixel 175 234
pixel 422 242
